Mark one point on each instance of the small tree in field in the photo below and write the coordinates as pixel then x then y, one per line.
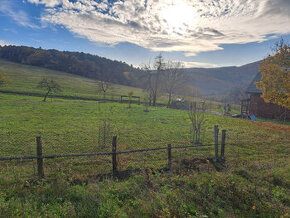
pixel 104 86
pixel 50 86
pixel 197 119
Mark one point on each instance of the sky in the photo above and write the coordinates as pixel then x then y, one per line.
pixel 199 33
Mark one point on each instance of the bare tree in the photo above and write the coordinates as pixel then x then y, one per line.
pixel 174 79
pixel 197 119
pixel 153 78
pixel 50 86
pixel 104 86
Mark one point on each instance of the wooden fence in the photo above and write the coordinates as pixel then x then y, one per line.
pixel 114 153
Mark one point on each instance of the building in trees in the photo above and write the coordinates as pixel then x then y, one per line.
pixel 260 108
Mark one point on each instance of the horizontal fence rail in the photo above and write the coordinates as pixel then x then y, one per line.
pixel 99 153
pixel 114 153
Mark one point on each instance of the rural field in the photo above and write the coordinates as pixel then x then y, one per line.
pixel 158 109
pixel 254 180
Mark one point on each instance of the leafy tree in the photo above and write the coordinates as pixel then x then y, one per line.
pixel 50 86
pixel 275 82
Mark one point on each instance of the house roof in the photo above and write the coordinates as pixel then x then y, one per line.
pixel 252 87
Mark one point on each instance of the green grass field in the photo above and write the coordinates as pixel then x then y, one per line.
pixel 25 78
pixel 254 183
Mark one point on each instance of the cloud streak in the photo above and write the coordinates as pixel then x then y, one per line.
pixel 19 16
pixel 189 26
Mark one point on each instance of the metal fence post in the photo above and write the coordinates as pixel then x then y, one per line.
pixel 169 157
pixel 40 170
pixel 223 144
pixel 114 155
pixel 216 142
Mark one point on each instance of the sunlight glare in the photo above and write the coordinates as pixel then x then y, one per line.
pixel 179 16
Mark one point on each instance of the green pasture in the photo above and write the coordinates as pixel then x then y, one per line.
pixel 253 183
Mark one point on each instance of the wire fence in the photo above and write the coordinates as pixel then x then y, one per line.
pixel 100 161
pixel 113 162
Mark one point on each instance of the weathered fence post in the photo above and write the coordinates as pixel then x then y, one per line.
pixel 39 157
pixel 114 155
pixel 223 144
pixel 169 157
pixel 216 142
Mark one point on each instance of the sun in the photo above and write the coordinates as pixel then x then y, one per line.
pixel 179 16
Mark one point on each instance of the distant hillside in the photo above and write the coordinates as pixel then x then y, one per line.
pixel 25 78
pixel 222 80
pixel 78 63
pixel 210 81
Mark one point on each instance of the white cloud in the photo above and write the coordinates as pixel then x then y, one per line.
pixel 21 17
pixel 47 3
pixel 190 26
pixel 2 43
pixel 188 64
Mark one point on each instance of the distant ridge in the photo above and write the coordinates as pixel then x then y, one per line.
pixel 223 79
pixel 210 81
pixel 78 63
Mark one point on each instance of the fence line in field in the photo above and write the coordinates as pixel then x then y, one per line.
pixel 98 153
pixel 39 156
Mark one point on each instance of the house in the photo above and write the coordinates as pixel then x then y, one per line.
pixel 258 107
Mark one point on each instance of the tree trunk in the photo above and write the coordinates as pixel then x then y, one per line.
pixel 169 100
pixel 45 96
pixel 154 99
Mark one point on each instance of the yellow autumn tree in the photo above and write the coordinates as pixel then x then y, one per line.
pixel 275 81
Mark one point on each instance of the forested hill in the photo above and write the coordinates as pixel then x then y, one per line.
pixel 210 81
pixel 222 79
pixel 79 63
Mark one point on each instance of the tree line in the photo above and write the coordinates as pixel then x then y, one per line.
pixel 78 63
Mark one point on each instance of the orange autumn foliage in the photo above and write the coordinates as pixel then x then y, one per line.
pixel 275 81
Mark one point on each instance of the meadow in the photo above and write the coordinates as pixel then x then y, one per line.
pixel 254 182
pixel 25 78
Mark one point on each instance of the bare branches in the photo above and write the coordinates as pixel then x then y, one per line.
pixel 174 79
pixel 153 78
pixel 103 86
pixel 197 119
pixel 50 86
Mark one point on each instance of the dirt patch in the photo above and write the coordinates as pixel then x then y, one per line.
pixel 272 126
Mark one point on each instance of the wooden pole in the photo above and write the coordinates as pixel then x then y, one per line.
pixel 39 157
pixel 216 142
pixel 114 155
pixel 223 144
pixel 169 157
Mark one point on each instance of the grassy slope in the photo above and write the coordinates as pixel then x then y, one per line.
pixel 25 78
pixel 255 182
